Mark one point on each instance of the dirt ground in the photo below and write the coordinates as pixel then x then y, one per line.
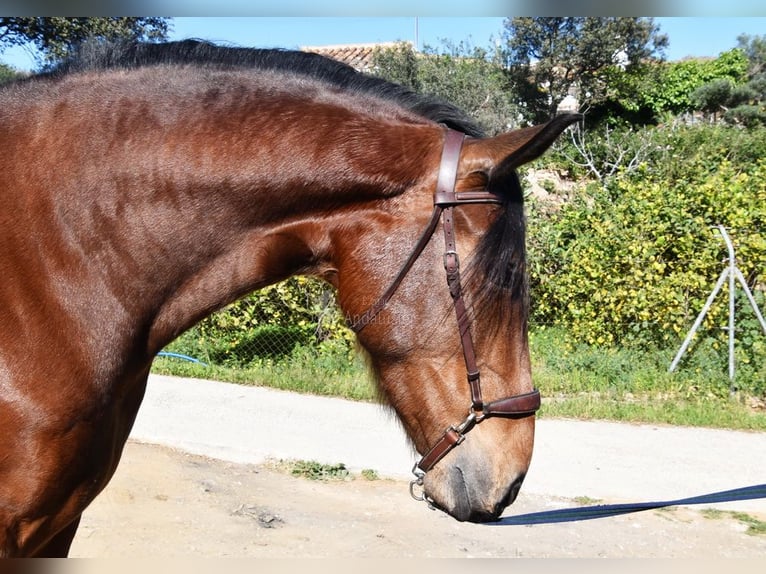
pixel 167 503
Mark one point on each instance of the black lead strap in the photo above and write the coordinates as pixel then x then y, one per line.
pixel 607 510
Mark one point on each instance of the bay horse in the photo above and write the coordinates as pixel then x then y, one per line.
pixel 144 186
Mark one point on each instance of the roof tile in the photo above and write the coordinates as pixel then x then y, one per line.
pixel 358 56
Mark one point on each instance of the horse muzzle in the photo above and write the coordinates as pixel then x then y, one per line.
pixel 468 489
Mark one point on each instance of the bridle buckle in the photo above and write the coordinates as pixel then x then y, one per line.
pixel 451 260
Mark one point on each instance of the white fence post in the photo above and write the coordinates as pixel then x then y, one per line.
pixel 733 274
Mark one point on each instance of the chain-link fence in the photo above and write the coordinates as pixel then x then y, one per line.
pixel 296 315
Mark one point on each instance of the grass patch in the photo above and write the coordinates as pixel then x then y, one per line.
pixel 303 371
pixel 317 471
pixel 586 500
pixel 712 513
pixel 755 526
pixel 649 409
pixel 584 382
pixel 313 470
pixel 370 474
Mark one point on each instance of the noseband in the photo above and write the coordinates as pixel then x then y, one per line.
pixel 445 199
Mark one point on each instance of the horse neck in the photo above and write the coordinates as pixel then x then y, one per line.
pixel 180 211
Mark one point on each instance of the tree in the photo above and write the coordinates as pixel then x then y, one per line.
pixel 55 37
pixel 468 77
pixel 398 64
pixel 748 101
pixel 7 73
pixel 550 57
pixel 713 97
pixel 754 48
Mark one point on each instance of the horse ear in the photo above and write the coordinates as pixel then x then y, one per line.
pixel 497 156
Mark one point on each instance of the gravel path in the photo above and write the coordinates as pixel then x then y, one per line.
pixel 195 481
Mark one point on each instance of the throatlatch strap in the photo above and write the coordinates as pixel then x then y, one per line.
pixel 365 318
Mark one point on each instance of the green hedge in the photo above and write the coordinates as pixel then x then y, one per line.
pixel 632 262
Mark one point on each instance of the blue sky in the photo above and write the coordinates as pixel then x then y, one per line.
pixel 689 36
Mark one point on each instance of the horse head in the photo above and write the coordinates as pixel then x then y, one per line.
pixel 443 370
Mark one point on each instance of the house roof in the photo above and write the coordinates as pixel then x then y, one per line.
pixel 358 56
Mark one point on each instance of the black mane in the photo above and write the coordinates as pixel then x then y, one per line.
pixel 496 276
pixel 100 55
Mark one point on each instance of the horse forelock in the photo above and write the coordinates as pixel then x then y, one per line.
pixel 496 276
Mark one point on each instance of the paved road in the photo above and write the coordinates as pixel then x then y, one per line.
pixel 613 462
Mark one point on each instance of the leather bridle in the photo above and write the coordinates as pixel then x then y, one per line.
pixel 445 199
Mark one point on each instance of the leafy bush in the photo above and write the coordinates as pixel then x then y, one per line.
pixel 605 151
pixel 747 115
pixel 653 92
pixel 713 96
pixel 602 152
